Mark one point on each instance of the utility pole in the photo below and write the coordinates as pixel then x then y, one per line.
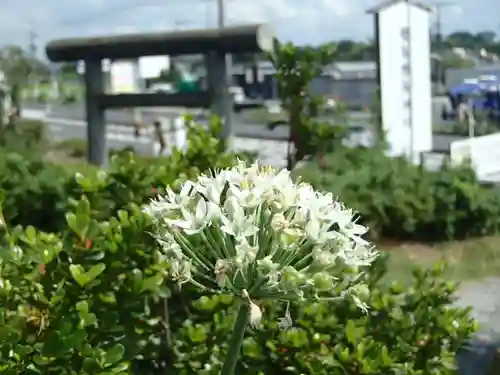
pixel 438 7
pixel 224 75
pixel 32 43
pixel 221 13
pixel 438 38
pixel 32 36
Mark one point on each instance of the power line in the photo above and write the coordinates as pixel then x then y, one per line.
pixel 90 16
pixel 106 11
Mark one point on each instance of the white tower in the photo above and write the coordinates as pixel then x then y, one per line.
pixel 402 36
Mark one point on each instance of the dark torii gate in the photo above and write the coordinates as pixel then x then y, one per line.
pixel 214 44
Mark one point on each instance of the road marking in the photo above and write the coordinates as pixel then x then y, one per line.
pixel 166 125
pixel 114 136
pixel 36 114
pixel 83 124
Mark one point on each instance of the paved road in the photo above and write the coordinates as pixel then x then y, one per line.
pixel 484 298
pixel 269 151
pixel 126 118
pixel 244 130
pixel 119 136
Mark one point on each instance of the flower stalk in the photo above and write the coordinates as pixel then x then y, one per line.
pixel 236 340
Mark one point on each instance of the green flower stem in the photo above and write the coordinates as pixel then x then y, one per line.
pixel 236 341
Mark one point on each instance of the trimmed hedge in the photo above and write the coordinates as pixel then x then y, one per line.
pixel 399 200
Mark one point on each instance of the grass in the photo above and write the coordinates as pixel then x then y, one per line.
pixel 467 260
pixel 262 116
pixel 45 90
pixel 76 148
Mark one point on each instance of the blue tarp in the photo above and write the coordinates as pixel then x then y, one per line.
pixel 477 89
pixel 483 84
pixel 466 89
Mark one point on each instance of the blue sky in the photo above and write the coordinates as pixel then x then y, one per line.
pixel 303 21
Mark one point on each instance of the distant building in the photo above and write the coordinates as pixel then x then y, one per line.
pixel 351 82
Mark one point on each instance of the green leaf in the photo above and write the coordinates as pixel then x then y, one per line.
pixel 90 365
pixel 385 357
pixel 197 333
pixel 120 367
pixel 114 354
pixel 78 274
pixel 95 271
pixel 78 223
pixel 76 339
pixel 83 278
pixel 42 361
pixel 82 306
pixel 152 284
pixel 351 332
pixel 9 335
pixel 87 319
pixel 31 233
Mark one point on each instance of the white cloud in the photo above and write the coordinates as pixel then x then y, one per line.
pixel 304 21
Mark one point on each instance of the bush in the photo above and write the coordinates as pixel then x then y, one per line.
pixel 76 148
pixel 462 129
pixel 24 136
pixel 407 331
pixel 42 97
pixel 70 98
pixel 79 302
pixel 401 201
pixel 87 292
pixel 33 131
pixel 39 191
pixel 95 300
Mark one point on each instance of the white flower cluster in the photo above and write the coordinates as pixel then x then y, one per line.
pixel 253 232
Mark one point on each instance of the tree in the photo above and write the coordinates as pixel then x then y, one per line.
pixel 486 37
pixel 295 68
pixel 450 60
pixel 18 65
pixel 69 69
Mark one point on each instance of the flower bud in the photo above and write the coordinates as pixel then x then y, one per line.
pixel 362 291
pixel 267 265
pixel 220 271
pixel 292 278
pixel 322 281
pixel 255 315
